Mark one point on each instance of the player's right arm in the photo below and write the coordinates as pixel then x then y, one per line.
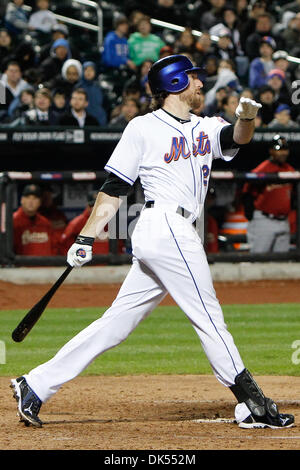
pixel 105 207
pixel 123 167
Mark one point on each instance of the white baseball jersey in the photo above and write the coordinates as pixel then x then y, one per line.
pixel 173 160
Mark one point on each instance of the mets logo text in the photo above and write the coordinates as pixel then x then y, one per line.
pixel 178 148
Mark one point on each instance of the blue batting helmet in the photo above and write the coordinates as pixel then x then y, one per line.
pixel 171 74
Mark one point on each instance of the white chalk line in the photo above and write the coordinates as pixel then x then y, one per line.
pixel 216 420
pixel 240 438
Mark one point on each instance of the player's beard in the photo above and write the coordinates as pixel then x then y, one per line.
pixel 192 98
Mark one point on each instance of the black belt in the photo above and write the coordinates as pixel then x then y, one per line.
pixel 275 217
pixel 180 210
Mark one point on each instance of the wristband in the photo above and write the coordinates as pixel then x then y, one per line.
pixel 246 119
pixel 82 240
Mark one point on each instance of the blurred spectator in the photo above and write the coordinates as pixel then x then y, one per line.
pixel 213 16
pixel 226 78
pixel 131 90
pixel 267 205
pixel 247 27
pixel 224 48
pixel 3 6
pixel 229 105
pixel 32 231
pixel 229 23
pixel 51 67
pixel 266 96
pixel 43 19
pixel 263 28
pixel 276 80
pixel 280 60
pixel 211 66
pixel 13 85
pixel 129 109
pixel 166 51
pixel 41 114
pixel 283 118
pixel 291 34
pixel 59 102
pixel 204 48
pixel 215 107
pixel 262 65
pixel 134 17
pixel 247 93
pixel 16 17
pixel 53 214
pixel 68 79
pixel 291 6
pixel 58 31
pixel 186 42
pixel 25 55
pixel 168 10
pixel 115 47
pixel 74 227
pixel 22 103
pixel 141 77
pixel 144 45
pixel 94 92
pixel 78 116
pixel 242 11
pixel 6 48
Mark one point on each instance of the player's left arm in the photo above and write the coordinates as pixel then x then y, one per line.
pixel 236 135
pixel 246 112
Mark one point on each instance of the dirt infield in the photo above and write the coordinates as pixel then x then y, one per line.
pixel 13 296
pixel 147 412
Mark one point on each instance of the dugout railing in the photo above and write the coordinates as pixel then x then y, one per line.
pixel 12 182
pixel 240 178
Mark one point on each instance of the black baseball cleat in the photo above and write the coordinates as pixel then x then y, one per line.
pixel 281 421
pixel 278 421
pixel 29 404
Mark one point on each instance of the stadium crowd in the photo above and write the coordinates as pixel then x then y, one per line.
pixel 52 73
pixel 245 46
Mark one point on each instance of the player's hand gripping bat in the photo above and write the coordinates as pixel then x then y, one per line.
pixel 30 319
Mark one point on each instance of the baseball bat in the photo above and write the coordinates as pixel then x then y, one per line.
pixel 30 319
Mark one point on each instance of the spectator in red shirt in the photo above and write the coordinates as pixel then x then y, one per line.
pixel 74 228
pixel 54 215
pixel 268 205
pixel 32 231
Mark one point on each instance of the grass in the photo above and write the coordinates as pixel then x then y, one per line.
pixel 165 343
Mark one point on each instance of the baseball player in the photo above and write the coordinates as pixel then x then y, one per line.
pixel 171 151
pixel 268 205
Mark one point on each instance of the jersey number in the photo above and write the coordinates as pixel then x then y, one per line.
pixel 205 171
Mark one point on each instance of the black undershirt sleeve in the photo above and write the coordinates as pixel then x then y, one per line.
pixel 115 186
pixel 226 138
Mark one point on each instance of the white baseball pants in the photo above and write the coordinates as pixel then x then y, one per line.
pixel 168 257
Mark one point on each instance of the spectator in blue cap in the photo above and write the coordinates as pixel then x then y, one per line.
pixel 283 118
pixel 94 92
pixel 59 53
